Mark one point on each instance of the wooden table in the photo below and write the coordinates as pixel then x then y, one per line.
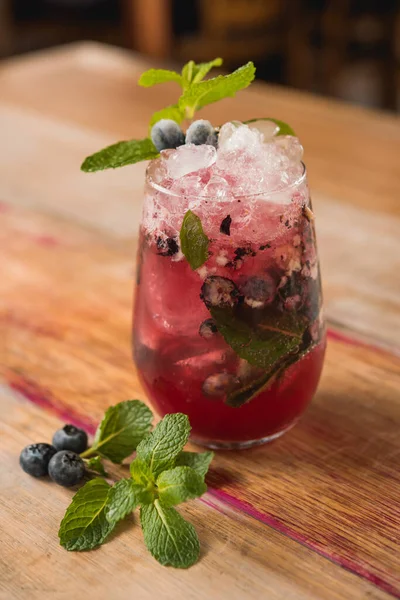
pixel 315 515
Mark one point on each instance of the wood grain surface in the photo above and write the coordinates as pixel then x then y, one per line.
pixel 316 514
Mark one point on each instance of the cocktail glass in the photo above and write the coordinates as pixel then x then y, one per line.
pixel 238 343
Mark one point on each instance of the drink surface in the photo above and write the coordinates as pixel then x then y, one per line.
pixel 237 344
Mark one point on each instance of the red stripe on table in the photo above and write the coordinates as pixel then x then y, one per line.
pixel 350 340
pixel 245 507
pixel 45 399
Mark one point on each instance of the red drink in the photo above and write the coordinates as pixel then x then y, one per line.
pixel 238 343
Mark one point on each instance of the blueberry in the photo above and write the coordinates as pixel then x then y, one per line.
pixel 70 438
pixel 167 134
pixel 218 384
pixel 219 291
pixel 66 468
pixel 208 329
pixel 259 291
pixel 167 247
pixel 35 458
pixel 201 132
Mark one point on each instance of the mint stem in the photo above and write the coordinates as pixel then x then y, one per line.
pixel 92 451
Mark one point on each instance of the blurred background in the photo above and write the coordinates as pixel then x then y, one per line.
pixel 349 49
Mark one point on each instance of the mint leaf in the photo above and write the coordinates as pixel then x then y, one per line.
pixel 193 73
pixel 170 112
pixel 95 464
pixel 194 242
pixel 239 396
pixel 273 337
pixel 169 538
pixel 199 461
pixel 122 499
pixel 160 448
pixel 120 155
pixel 179 484
pixel 188 72
pixel 156 76
pixel 284 128
pixel 122 428
pixel 206 92
pixel 84 525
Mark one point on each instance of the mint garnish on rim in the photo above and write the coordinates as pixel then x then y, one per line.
pixel 196 93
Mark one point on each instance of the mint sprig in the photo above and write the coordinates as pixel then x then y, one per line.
pixel 162 476
pixel 196 93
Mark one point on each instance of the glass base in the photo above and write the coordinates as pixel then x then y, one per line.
pixel 220 445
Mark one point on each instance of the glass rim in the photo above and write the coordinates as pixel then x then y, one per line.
pixel 296 183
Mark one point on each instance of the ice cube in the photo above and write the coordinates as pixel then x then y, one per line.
pixel 226 131
pixel 291 147
pixel 269 129
pixel 217 187
pixel 234 137
pixel 190 158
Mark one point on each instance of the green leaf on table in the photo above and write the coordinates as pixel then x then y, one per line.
pixel 123 498
pixel 179 485
pixel 84 525
pixel 156 76
pixel 173 112
pixel 95 464
pixel 206 92
pixel 120 155
pixel 194 242
pixel 193 73
pixel 273 337
pixel 284 128
pixel 160 448
pixel 122 428
pixel 169 538
pixel 199 461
